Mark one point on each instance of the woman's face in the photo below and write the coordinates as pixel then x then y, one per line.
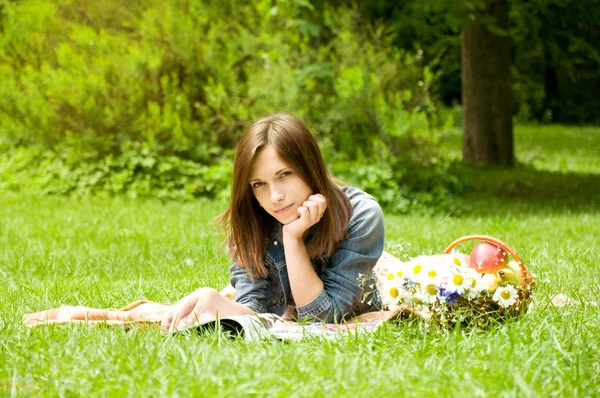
pixel 276 186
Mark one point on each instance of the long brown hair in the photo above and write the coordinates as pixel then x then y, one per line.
pixel 248 225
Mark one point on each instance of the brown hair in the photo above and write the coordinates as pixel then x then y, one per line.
pixel 248 225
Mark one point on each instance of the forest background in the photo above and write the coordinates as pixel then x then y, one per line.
pixel 148 98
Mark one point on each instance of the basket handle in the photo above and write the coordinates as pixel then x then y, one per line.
pixel 526 277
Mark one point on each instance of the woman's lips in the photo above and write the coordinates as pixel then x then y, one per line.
pixel 284 209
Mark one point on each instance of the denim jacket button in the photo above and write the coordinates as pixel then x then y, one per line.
pixel 281 301
pixel 275 243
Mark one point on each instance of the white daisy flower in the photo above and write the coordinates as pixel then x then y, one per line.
pixel 390 296
pixel 459 283
pixel 505 296
pixel 432 275
pixel 453 259
pixel 473 285
pixel 429 294
pixel 472 291
pixel 389 292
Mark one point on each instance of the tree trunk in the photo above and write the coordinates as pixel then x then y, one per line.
pixel 486 90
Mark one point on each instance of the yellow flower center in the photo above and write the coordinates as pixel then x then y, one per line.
pixel 505 294
pixel 400 274
pixel 431 290
pixel 473 282
pixel 456 261
pixel 432 274
pixel 390 276
pixel 417 269
pixel 457 280
pixel 394 292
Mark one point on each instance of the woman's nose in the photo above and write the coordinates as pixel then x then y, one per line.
pixel 276 196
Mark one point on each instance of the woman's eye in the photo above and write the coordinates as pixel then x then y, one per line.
pixel 256 184
pixel 285 173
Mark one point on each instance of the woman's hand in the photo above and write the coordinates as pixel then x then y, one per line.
pixel 309 214
pixel 188 309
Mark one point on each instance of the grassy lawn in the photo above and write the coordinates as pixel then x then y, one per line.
pixel 109 252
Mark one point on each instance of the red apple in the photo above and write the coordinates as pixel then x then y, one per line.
pixel 488 258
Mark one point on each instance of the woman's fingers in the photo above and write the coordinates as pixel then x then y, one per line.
pixel 320 199
pixel 321 204
pixel 316 205
pixel 305 216
pixel 169 320
pixel 187 310
pixel 313 209
pixel 181 310
pixel 165 323
pixel 175 319
pixel 194 315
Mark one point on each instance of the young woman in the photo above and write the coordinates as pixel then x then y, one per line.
pixel 296 238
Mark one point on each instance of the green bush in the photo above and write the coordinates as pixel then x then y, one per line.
pixel 138 171
pixel 149 98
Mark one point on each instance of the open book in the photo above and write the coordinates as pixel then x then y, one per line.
pixel 266 326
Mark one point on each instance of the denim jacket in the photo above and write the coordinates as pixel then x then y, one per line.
pixel 347 276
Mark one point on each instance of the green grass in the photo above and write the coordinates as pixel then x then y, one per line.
pixel 557 170
pixel 109 252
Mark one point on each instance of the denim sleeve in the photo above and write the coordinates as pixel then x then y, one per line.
pixel 253 294
pixel 355 256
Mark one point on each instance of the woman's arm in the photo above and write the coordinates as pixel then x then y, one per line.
pixel 344 279
pixel 305 284
pixel 304 281
pixel 254 294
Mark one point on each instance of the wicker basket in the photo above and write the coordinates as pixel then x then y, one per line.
pixel 486 307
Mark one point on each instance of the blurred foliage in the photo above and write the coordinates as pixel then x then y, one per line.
pixel 555 51
pixel 556 60
pixel 148 98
